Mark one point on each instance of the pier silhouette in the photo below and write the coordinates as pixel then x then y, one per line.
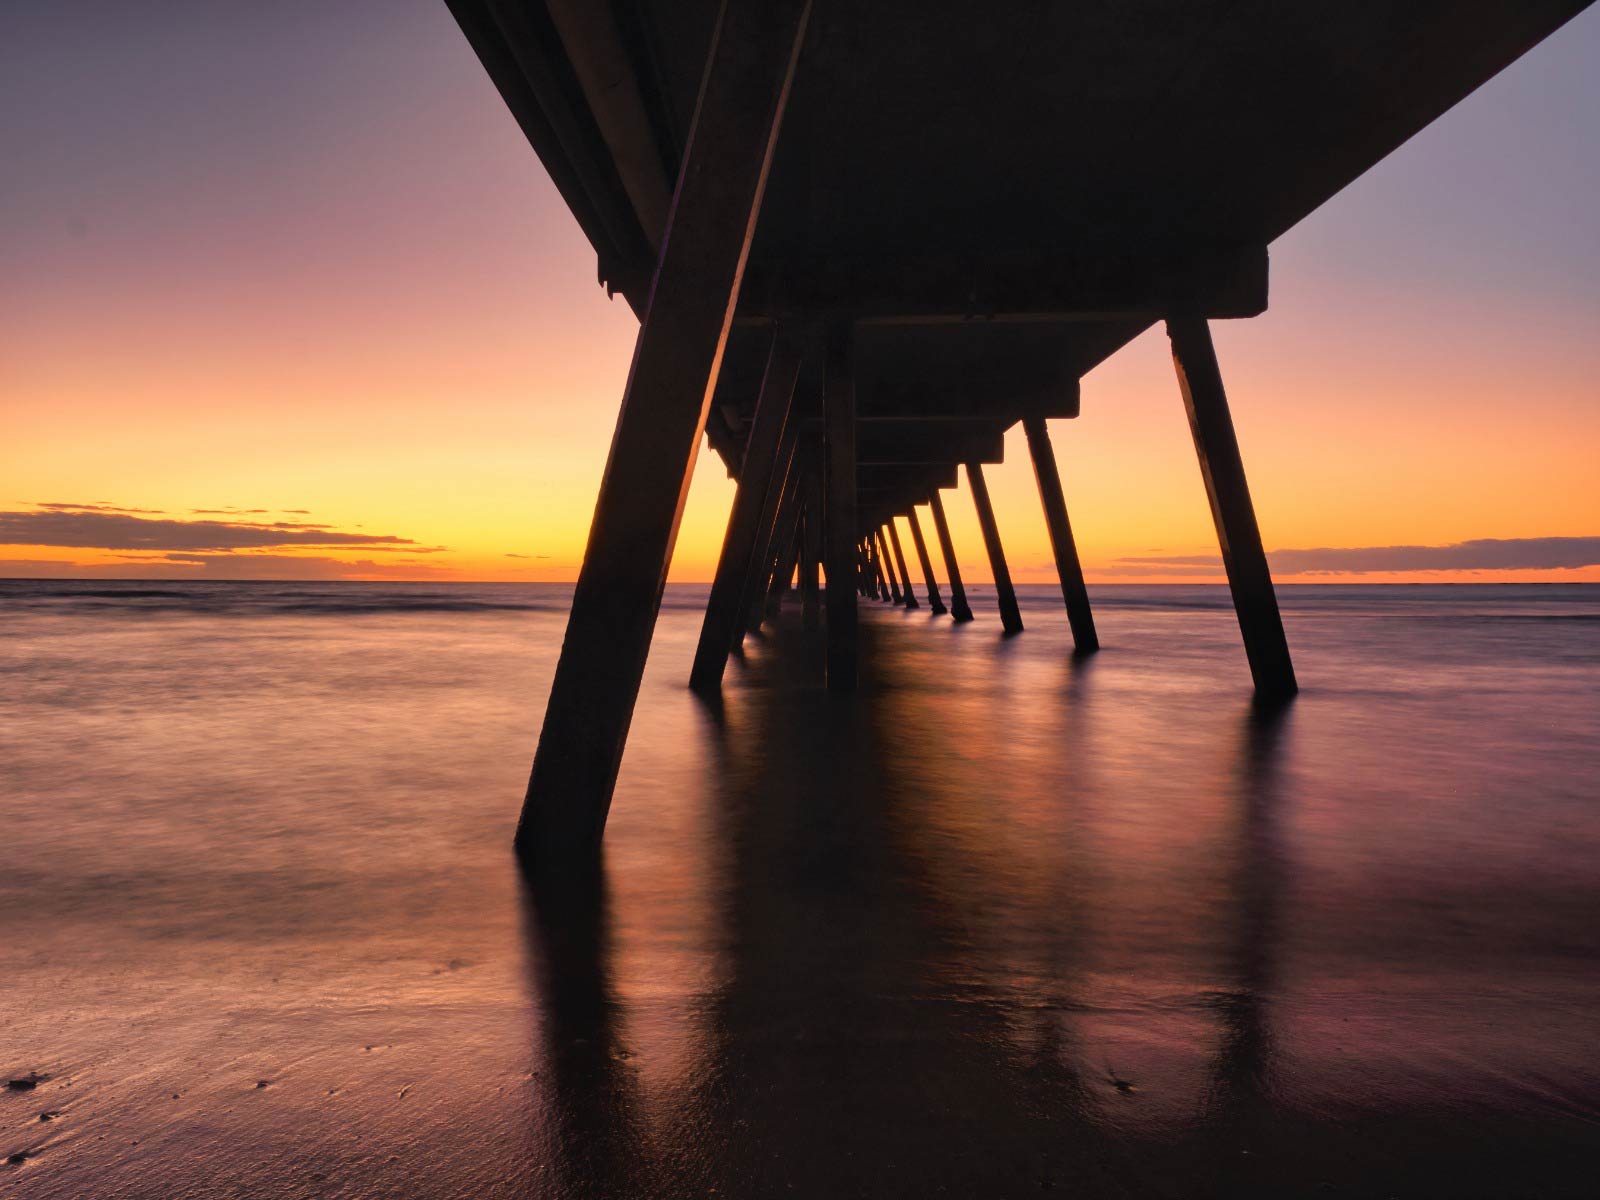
pixel 864 240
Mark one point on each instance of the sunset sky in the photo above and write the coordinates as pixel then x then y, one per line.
pixel 287 294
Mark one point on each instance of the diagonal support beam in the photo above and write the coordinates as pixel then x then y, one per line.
pixel 839 431
pixel 811 553
pixel 1010 614
pixel 767 579
pixel 784 575
pixel 720 627
pixel 900 562
pixel 743 95
pixel 1200 380
pixel 773 513
pixel 935 603
pixel 1068 569
pixel 960 610
pixel 886 565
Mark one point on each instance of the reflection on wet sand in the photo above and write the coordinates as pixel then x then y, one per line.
pixel 954 950
pixel 1004 922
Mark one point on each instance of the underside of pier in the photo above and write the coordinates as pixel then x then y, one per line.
pixel 865 240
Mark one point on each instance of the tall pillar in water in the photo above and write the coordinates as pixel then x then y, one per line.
pixel 1222 469
pixel 743 94
pixel 1068 570
pixel 935 604
pixel 1010 614
pixel 839 432
pixel 960 610
pixel 910 597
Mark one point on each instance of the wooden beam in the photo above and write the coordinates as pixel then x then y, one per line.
pixel 744 92
pixel 752 603
pixel 877 479
pixel 927 444
pixel 839 427
pixel 1068 569
pixel 957 402
pixel 1249 578
pixel 521 51
pixel 1206 282
pixel 781 577
pixel 784 530
pixel 935 602
pixel 900 562
pixel 811 557
pixel 600 61
pixel 1010 614
pixel 887 566
pixel 719 628
pixel 960 610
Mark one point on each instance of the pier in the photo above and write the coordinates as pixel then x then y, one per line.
pixel 864 241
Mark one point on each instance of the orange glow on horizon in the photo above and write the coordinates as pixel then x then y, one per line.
pixel 373 308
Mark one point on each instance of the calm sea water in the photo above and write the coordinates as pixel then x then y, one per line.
pixel 1001 923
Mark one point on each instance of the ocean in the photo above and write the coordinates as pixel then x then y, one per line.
pixel 1003 923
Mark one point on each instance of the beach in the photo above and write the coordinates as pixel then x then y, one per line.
pixel 1003 923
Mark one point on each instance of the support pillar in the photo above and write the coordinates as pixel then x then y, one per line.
pixel 753 584
pixel 695 291
pixel 1249 578
pixel 1068 569
pixel 900 562
pixel 777 547
pixel 960 610
pixel 790 544
pixel 811 551
pixel 1010 614
pixel 935 603
pixel 886 564
pixel 719 628
pixel 839 430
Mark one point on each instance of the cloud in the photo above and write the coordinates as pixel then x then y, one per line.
pixel 97 506
pixel 221 566
pixel 102 528
pixel 294 566
pixel 1479 554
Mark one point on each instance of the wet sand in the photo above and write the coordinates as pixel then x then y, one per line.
pixel 1001 925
